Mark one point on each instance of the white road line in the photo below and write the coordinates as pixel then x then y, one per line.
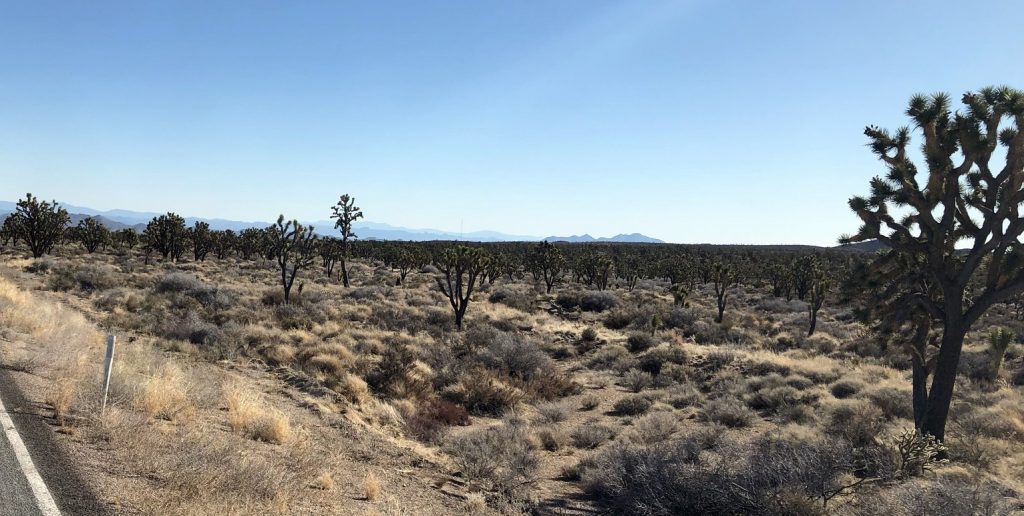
pixel 43 498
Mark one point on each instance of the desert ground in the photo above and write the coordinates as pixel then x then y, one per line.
pixel 368 399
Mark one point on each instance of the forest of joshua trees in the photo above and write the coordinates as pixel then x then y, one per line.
pixel 298 369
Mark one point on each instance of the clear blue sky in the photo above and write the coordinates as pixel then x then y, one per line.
pixel 691 121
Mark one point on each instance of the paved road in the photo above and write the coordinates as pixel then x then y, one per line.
pixel 15 493
pixel 71 494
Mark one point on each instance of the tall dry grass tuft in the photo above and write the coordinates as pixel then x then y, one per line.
pixel 165 394
pixel 371 487
pixel 248 414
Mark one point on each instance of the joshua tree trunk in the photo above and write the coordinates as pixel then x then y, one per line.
pixel 941 393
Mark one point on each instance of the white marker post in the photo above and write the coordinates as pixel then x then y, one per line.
pixel 108 365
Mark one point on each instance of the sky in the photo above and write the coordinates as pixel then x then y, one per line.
pixel 717 121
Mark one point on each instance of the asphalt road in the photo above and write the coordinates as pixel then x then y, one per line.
pixel 62 480
pixel 15 493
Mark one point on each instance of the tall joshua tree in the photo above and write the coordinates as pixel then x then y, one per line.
pixel 294 245
pixel 964 197
pixel 92 234
pixel 40 224
pixel 820 287
pixel 202 240
pixel 724 277
pixel 546 263
pixel 462 267
pixel 346 212
pixel 167 235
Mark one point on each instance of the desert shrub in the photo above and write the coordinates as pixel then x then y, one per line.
pixel 298 317
pixel 633 405
pixel 40 266
pixel 612 357
pixel 514 355
pixel 589 402
pixel 799 382
pixel 678 318
pixel 191 286
pixel 500 458
pixel 729 412
pixel 88 278
pixel 591 435
pixel 775 399
pixel 947 495
pixel 682 396
pixel 846 388
pixel 654 360
pixel 554 412
pixel 598 301
pixel 636 380
pixel 192 328
pixel 856 420
pixel 429 422
pixel 589 335
pixel 637 342
pixel 1018 378
pixel 593 301
pixel 179 282
pixel 483 394
pixel 619 319
pixel 551 440
pixel 512 299
pixel 369 292
pixel 549 385
pixel 718 359
pixel 768 476
pixel 654 428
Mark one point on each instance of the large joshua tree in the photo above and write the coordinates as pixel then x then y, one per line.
pixel 462 267
pixel 546 263
pixel 40 224
pixel 346 212
pixel 965 199
pixel 294 246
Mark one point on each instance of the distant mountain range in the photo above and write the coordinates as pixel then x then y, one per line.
pixel 585 238
pixel 119 219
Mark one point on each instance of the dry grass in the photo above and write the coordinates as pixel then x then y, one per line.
pixel 165 394
pixel 371 487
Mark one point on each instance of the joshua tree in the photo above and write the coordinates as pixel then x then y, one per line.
pixel 998 340
pixel 546 263
pixel 802 275
pixel 724 277
pixel 126 237
pixel 202 240
pixel 820 286
pixel 407 260
pixel 92 234
pixel 294 246
pixel 8 232
pixel 330 250
pixel 780 278
pixel 346 212
pixel 224 242
pixel 680 291
pixel 462 267
pixel 40 224
pixel 964 198
pixel 250 242
pixel 167 235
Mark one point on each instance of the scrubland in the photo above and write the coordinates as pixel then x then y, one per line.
pixel 367 400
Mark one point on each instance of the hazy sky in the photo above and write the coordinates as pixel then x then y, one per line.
pixel 691 121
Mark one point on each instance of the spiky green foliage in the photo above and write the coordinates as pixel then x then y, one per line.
pixel 821 285
pixel 964 198
pixel 294 246
pixel 224 242
pixel 724 277
pixel 461 267
pixel 166 235
pixel 40 224
pixel 547 264
pixel 92 234
pixel 203 240
pixel 998 340
pixel 346 212
pixel 251 243
pixel 125 238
